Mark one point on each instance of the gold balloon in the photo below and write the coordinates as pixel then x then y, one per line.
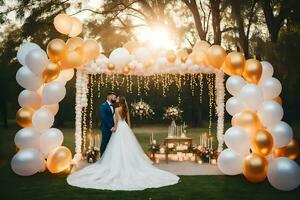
pixel 71 60
pixel 216 55
pixel 278 100
pixel 182 54
pixel 262 142
pixel 199 58
pixel 24 117
pixel 201 46
pixel 234 64
pixel 255 168
pixel 59 159
pixel 63 23
pixel 253 70
pixel 111 66
pixel 74 43
pixel 131 46
pixel 248 120
pixel 90 50
pixel 51 72
pixel 291 151
pixel 171 56
pixel 56 49
pixel 76 27
pixel 125 70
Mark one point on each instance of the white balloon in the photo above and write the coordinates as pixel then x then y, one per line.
pixel 53 93
pixel 271 88
pixel 234 106
pixel 142 55
pixel 234 84
pixel 237 139
pixel 26 162
pixel 66 75
pixel 29 98
pixel 53 108
pixel 24 50
pixel 42 119
pixel 282 134
pixel 43 165
pixel 37 60
pixel 229 162
pixel 27 79
pixel 270 113
pixel 284 174
pixel 251 96
pixel 119 57
pixel 27 137
pixel 50 139
pixel 267 70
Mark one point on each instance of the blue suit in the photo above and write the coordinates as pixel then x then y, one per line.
pixel 107 122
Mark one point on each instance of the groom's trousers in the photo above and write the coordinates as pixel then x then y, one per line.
pixel 105 139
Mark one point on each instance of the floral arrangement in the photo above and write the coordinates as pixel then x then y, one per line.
pixel 205 153
pixel 92 154
pixel 142 109
pixel 173 113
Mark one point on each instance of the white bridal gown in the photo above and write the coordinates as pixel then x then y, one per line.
pixel 123 166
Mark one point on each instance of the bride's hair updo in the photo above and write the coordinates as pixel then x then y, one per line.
pixel 124 106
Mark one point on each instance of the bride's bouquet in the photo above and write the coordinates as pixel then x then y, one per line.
pixel 173 113
pixel 142 109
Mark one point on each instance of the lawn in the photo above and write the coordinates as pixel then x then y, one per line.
pixel 49 186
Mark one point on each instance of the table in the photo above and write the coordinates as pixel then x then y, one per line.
pixel 177 140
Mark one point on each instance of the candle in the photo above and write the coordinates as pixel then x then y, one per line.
pixel 211 143
pixel 152 136
pixel 150 140
pixel 213 161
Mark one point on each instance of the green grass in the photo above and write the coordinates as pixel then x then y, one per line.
pixel 50 186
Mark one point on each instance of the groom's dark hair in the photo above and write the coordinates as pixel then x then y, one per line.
pixel 111 92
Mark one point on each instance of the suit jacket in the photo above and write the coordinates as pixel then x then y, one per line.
pixel 106 117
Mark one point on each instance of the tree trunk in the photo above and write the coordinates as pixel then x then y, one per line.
pixel 215 10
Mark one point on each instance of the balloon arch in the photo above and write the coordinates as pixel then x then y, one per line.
pixel 258 142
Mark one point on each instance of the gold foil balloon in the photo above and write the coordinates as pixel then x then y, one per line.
pixel 262 142
pixel 63 23
pixel 51 72
pixel 90 49
pixel 278 100
pixel 71 60
pixel 24 117
pixel 216 56
pixel 255 168
pixel 182 54
pixel 125 70
pixel 131 46
pixel 201 46
pixel 291 151
pixel 59 159
pixel 171 56
pixel 199 57
pixel 56 49
pixel 248 120
pixel 74 43
pixel 76 27
pixel 234 64
pixel 111 67
pixel 253 71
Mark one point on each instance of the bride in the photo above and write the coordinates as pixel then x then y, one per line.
pixel 123 165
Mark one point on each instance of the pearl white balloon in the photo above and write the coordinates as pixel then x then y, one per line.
pixel 270 113
pixel 271 88
pixel 234 106
pixel 37 60
pixel 27 137
pixel 53 108
pixel 43 165
pixel 234 84
pixel 119 57
pixel 42 119
pixel 229 162
pixel 24 50
pixel 27 79
pixel 251 96
pixel 29 98
pixel 267 70
pixel 50 139
pixel 282 134
pixel 284 174
pixel 142 55
pixel 237 139
pixel 53 93
pixel 26 162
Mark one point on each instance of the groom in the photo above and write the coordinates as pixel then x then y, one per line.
pixel 106 113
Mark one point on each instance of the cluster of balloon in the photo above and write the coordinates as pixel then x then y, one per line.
pixel 260 145
pixel 43 76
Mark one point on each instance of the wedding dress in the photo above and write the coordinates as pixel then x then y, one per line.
pixel 123 166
